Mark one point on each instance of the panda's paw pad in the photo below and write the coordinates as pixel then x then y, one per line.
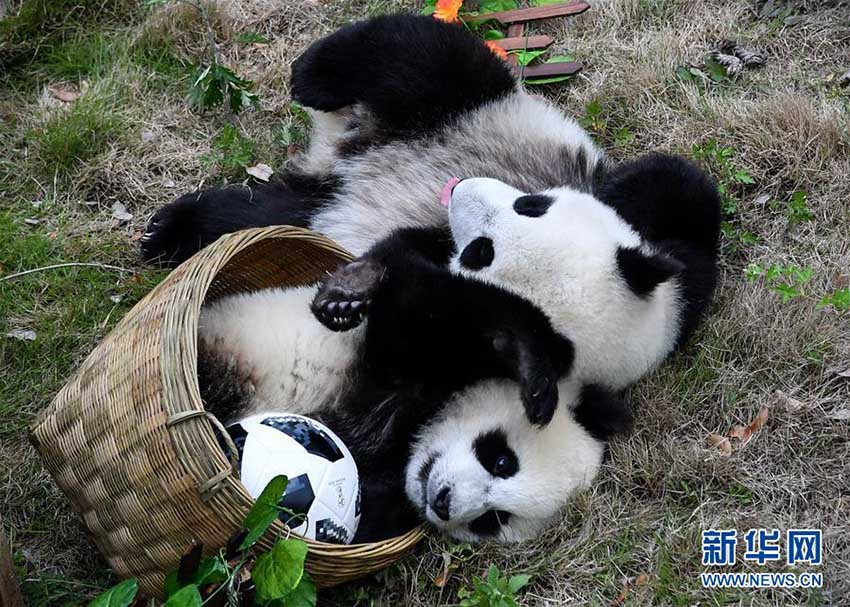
pixel 540 399
pixel 343 299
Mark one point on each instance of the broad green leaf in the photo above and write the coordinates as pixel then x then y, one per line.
pixel 251 38
pixel 496 6
pixel 264 511
pixel 526 57
pixel 492 575
pixel 428 9
pixel 517 582
pixel 171 584
pixel 185 597
pixel 683 73
pixel 493 34
pixel 547 80
pixel 716 71
pixel 277 572
pixel 212 570
pixel 304 595
pixel 120 595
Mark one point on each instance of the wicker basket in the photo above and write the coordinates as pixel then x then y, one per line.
pixel 129 442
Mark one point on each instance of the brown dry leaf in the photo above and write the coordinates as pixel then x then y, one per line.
pixel 641 580
pixel 745 433
pixel 64 92
pixel 137 235
pixel 260 171
pixel 721 442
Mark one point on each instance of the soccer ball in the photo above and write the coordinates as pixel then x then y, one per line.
pixel 324 489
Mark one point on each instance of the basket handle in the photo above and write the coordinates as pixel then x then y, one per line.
pixel 210 486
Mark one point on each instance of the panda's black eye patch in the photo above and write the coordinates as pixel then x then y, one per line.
pixel 494 454
pixel 533 205
pixel 477 254
pixel 490 522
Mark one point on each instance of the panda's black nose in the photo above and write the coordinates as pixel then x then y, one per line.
pixel 478 254
pixel 441 503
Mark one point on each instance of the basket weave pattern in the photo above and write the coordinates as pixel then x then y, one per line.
pixel 128 439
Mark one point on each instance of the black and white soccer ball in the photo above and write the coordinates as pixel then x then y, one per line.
pixel 324 488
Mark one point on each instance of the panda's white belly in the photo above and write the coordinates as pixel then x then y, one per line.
pixel 520 139
pixel 291 361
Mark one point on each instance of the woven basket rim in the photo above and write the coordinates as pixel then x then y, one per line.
pixel 246 238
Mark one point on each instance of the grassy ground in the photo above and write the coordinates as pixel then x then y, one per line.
pixel 129 138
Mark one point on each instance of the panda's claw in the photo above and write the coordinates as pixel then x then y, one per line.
pixel 343 299
pixel 540 399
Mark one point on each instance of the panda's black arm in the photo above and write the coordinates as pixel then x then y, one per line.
pixel 411 72
pixel 430 327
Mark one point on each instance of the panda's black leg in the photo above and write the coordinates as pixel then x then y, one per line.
pixel 410 72
pixel 182 228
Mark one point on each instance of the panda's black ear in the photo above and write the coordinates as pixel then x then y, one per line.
pixel 644 272
pixel 602 412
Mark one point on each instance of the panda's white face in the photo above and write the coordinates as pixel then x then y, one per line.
pixel 482 471
pixel 559 249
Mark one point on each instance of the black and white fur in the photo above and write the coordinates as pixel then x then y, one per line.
pixel 400 105
pixel 467 456
pixel 403 103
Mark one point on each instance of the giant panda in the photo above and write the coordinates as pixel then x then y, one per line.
pixel 404 104
pixel 464 457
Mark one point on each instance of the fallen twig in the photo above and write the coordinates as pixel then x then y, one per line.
pixel 66 265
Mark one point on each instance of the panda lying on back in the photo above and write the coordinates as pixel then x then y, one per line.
pixel 480 469
pixel 402 104
pixel 621 260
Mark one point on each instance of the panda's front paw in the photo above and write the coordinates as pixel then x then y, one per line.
pixel 540 398
pixel 343 299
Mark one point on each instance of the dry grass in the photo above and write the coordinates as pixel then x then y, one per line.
pixel 789 128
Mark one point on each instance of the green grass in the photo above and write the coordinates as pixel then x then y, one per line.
pixel 71 138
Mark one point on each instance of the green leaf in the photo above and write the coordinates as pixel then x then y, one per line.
pixel 493 35
pixel 264 511
pixel 716 71
pixel 547 80
pixel 185 597
pixel 683 73
pixel 277 572
pixel 170 585
pixel 492 575
pixel 251 38
pixel 304 595
pixel 526 57
pixel 428 9
pixel 741 176
pixel 496 6
pixel 212 570
pixel 517 582
pixel 120 595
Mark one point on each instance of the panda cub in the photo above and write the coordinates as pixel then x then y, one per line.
pixel 403 104
pixel 465 454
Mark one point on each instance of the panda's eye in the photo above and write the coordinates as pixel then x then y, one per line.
pixel 495 456
pixel 533 205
